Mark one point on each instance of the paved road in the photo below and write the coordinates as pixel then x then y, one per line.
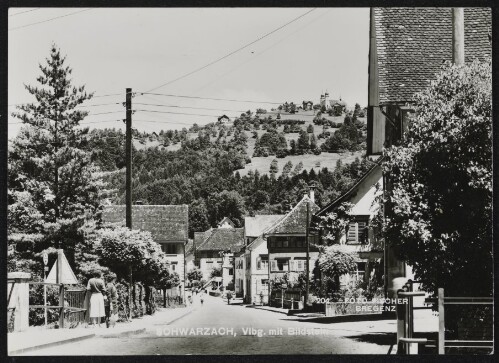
pixel 218 328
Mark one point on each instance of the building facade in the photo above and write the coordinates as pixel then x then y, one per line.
pixel 168 225
pixel 287 243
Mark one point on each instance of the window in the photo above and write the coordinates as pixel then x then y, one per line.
pixel 357 232
pixel 299 265
pixel 173 266
pixel 209 264
pixel 169 248
pixel 231 272
pixel 273 265
pixel 262 262
pixel 282 264
pixel 361 270
pixel 265 282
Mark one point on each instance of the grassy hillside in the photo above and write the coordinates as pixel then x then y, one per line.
pixel 262 164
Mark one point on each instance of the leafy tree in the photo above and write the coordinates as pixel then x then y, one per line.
pixel 226 204
pixel 298 168
pixel 51 174
pixel 303 143
pixel 334 264
pixel 259 199
pixel 274 167
pixel 313 142
pixel 198 217
pixel 195 274
pixel 216 272
pixel 287 169
pixel 439 204
pixel 310 129
pixel 293 148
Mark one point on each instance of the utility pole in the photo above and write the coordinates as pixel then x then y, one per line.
pixel 128 157
pixel 307 270
pixel 128 197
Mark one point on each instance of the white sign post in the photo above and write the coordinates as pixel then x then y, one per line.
pixel 45 269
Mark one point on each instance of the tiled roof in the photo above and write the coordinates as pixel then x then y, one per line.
pixel 255 226
pixel 412 44
pixel 296 220
pixel 167 223
pixel 223 239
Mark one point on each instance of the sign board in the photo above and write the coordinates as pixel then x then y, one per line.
pixel 67 274
pixel 45 258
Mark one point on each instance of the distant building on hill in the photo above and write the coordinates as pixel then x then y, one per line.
pixel 223 119
pixel 308 105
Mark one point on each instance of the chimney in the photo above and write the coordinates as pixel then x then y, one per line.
pixel 458 36
pixel 312 191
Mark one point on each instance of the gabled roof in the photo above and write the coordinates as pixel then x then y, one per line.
pixel 223 239
pixel 412 44
pixel 255 226
pixel 226 220
pixel 167 223
pixel 369 178
pixel 223 116
pixel 337 102
pixel 295 222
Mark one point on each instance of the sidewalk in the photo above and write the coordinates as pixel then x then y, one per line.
pixel 39 337
pixel 269 308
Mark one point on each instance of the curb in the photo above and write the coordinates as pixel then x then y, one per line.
pixel 52 344
pixel 180 317
pixel 121 334
pixel 273 311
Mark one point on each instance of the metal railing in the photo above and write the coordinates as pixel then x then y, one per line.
pixel 406 341
pixel 459 343
pixel 71 304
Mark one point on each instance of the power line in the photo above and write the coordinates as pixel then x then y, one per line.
pixel 176 113
pixel 194 108
pixel 45 21
pixel 208 98
pixel 262 52
pixel 98 96
pixel 22 12
pixel 231 53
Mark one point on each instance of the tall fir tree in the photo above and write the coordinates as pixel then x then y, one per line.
pixel 54 186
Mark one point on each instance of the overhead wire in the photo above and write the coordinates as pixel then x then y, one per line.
pixel 48 20
pixel 233 52
pixel 22 12
pixel 209 98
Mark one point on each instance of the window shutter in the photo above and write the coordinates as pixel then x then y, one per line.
pixel 273 265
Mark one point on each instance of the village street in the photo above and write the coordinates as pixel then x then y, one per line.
pixel 362 337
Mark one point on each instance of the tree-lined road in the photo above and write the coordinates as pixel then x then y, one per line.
pixel 218 328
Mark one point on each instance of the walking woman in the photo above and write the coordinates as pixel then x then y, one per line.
pixel 97 289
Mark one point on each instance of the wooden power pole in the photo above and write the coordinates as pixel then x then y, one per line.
pixel 128 196
pixel 128 157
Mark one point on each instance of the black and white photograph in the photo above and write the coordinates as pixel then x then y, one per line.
pixel 249 181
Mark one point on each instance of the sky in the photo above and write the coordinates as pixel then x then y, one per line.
pixel 307 52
